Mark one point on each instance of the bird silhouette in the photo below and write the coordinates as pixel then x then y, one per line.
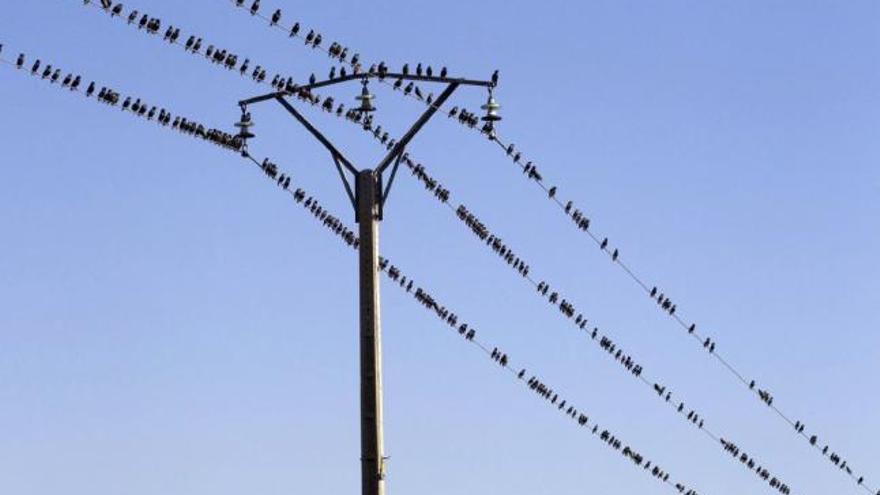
pixel 276 17
pixel 255 7
pixel 495 78
pixel 20 62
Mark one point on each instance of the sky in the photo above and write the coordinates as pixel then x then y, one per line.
pixel 172 323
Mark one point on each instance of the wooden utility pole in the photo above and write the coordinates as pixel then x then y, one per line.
pixel 372 452
pixel 368 200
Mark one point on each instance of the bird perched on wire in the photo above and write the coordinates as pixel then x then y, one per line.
pixel 276 17
pixel 294 30
pixel 495 78
pixel 20 61
pixel 132 17
pixel 255 7
pixel 117 10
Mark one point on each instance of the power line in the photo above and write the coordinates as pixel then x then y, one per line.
pixel 170 35
pixel 583 222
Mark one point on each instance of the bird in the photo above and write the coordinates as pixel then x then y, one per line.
pixel 615 255
pixel 419 69
pixel 692 328
pixel 35 67
pixel 604 244
pixel 405 69
pixel 255 7
pixel 116 10
pixel 294 30
pixel 552 191
pixel 495 78
pixel 443 72
pixel 276 17
pixel 91 89
pixel 332 73
pixel 429 71
pixel 20 61
pixel 132 16
pixel 312 79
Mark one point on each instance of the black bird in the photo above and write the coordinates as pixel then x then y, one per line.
pixel 197 46
pixel 604 244
pixel 654 292
pixel 255 7
pixel 20 61
pixel 116 10
pixel 552 191
pixel 67 80
pixel 317 41
pixel 239 3
pixel 312 79
pixel 443 72
pixel 615 255
pixel 276 17
pixel 429 71
pixel 35 67
pixel 105 4
pixel 133 16
pixel 495 78
pixel 310 36
pixel 332 73
pixel 189 43
pixel 408 89
pixel 47 71
pixel 692 328
pixel 405 69
pixel 91 89
pixel 419 69
pixel 419 94
pixel 294 30
pixel 244 66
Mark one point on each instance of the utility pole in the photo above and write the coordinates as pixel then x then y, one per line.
pixel 372 453
pixel 368 201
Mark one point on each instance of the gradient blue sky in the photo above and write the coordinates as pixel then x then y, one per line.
pixel 170 323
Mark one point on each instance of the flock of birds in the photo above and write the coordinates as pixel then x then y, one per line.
pixel 229 60
pixel 750 463
pixel 106 95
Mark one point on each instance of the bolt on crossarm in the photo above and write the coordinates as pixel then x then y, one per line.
pixel 367 196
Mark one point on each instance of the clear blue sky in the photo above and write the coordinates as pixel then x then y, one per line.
pixel 170 323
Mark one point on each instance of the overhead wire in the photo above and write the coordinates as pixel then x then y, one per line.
pixel 583 222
